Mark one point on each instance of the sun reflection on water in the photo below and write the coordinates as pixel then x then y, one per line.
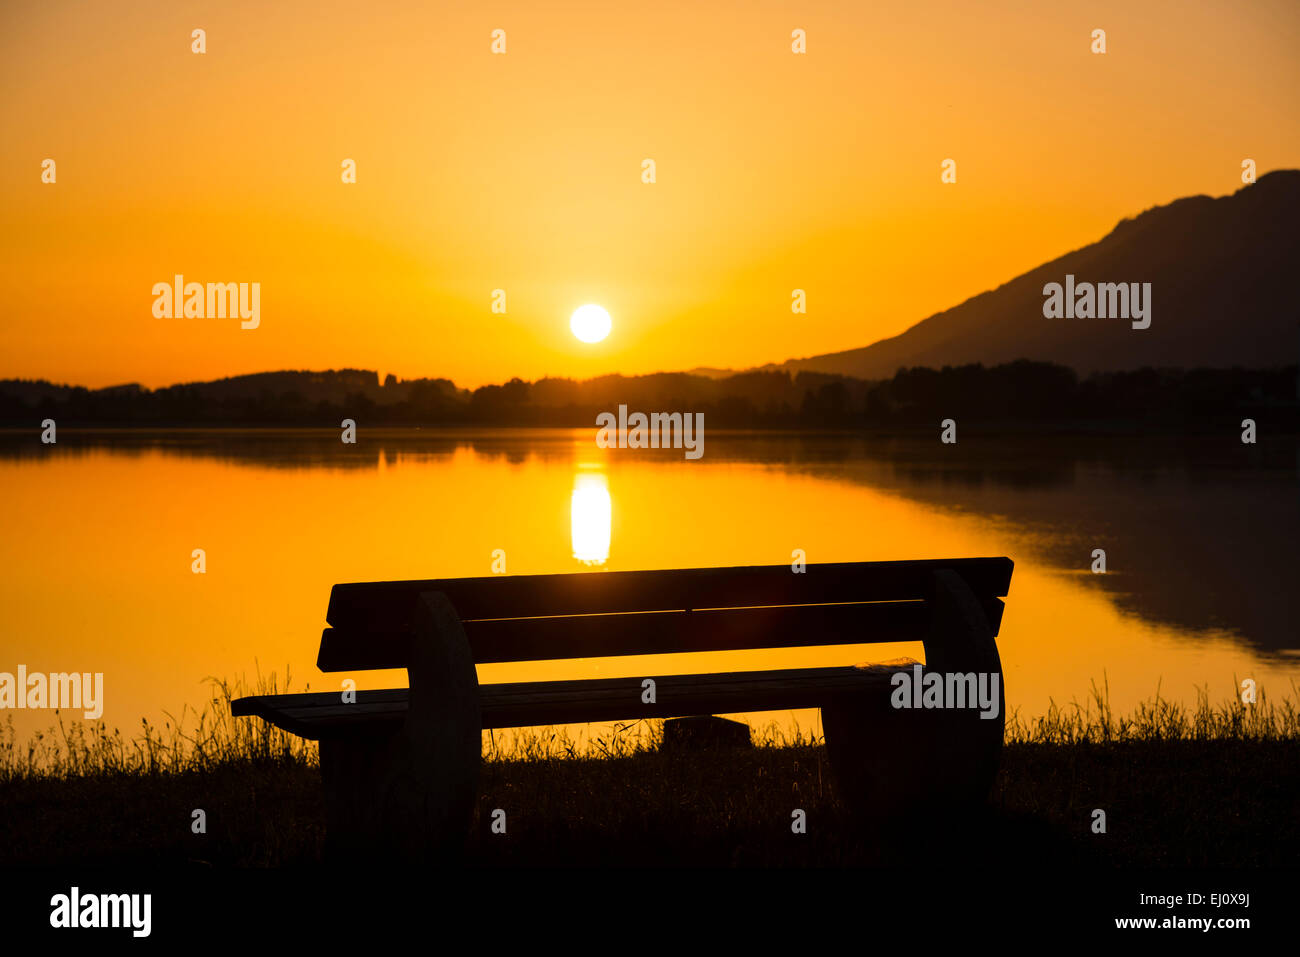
pixel 591 512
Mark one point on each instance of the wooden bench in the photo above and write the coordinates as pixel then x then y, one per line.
pixel 400 767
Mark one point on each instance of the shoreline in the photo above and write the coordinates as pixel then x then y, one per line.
pixel 1231 770
pixel 703 809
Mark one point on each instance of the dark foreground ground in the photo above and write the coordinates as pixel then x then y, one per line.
pixel 1179 804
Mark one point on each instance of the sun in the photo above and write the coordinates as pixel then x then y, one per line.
pixel 590 323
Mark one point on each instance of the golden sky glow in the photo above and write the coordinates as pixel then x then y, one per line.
pixel 523 172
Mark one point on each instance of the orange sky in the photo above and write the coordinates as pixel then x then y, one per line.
pixel 523 171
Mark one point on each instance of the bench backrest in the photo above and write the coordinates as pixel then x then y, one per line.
pixel 603 614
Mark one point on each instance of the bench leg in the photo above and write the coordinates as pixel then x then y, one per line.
pixel 896 761
pixel 409 791
pixel 349 768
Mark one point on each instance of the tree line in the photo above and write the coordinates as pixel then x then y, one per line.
pixel 1021 393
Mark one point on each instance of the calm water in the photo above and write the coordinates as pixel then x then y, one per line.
pixel 95 558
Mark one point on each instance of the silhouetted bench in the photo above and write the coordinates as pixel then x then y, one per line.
pixel 400 767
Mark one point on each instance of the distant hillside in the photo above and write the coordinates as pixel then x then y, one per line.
pixel 1223 274
pixel 286 389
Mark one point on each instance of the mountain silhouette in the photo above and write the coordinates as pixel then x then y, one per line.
pixel 1222 272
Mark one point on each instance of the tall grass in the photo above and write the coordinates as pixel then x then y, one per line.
pixel 210 738
pixel 623 740
pixel 193 742
pixel 1159 720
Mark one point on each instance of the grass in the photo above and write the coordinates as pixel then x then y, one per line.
pixel 1201 785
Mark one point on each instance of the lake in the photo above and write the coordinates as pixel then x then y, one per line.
pixel 1200 537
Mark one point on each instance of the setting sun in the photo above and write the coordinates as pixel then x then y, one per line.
pixel 983 306
pixel 590 323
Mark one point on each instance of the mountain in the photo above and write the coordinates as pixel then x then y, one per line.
pixel 1223 276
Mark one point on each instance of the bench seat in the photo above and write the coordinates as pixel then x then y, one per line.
pixel 400 767
pixel 320 715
